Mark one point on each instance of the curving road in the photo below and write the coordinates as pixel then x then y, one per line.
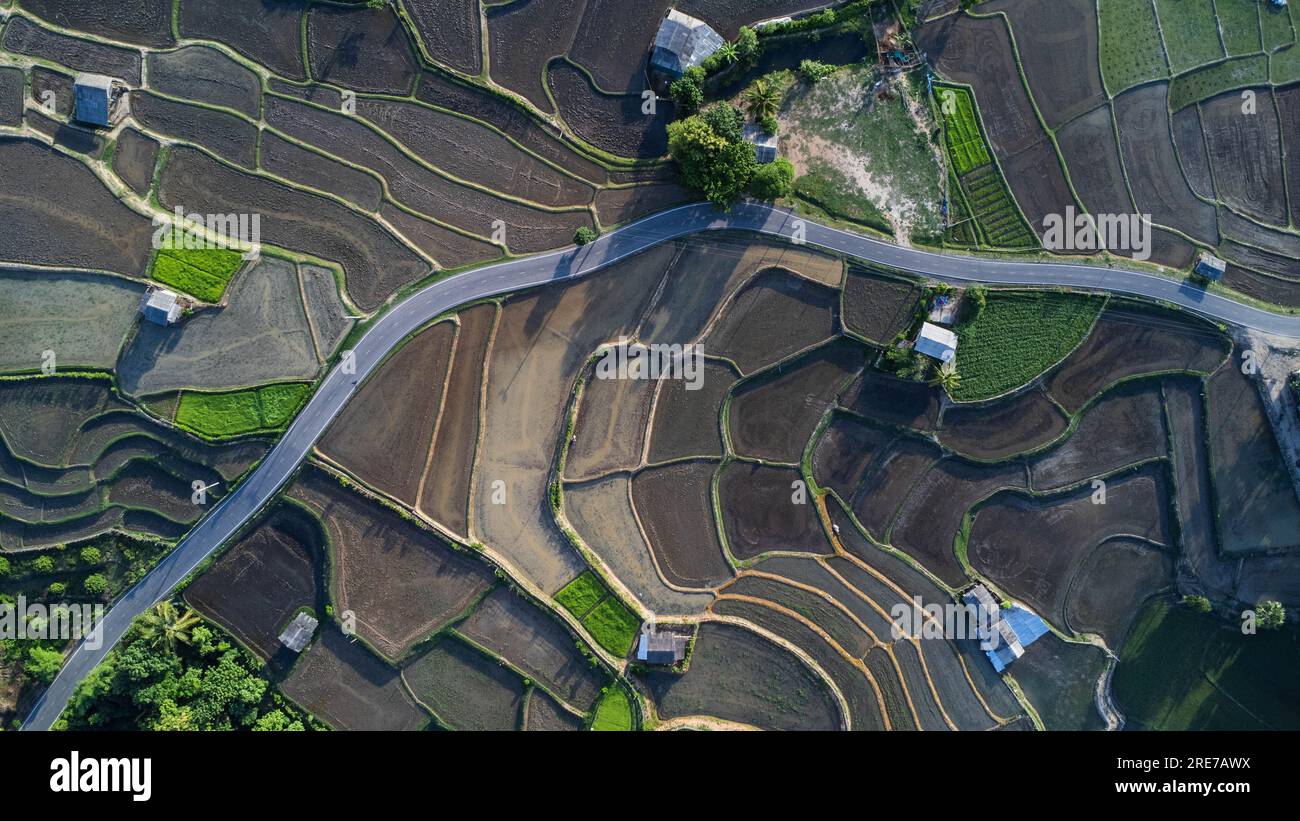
pixel 240 506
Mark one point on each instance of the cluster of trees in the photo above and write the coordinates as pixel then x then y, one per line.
pixel 173 671
pixel 1269 615
pixel 715 159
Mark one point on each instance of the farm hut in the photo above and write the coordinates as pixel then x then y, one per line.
pixel 765 144
pixel 682 42
pixel 96 100
pixel 1012 629
pixel 661 648
pixel 299 632
pixel 936 342
pixel 1210 266
pixel 160 306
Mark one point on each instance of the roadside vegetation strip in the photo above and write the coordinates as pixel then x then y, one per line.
pixel 235 413
pixel 1131 50
pixel 1017 336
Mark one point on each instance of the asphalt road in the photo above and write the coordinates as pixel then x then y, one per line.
pixel 228 515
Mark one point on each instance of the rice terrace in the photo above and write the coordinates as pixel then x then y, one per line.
pixel 645 365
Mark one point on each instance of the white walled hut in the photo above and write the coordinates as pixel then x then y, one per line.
pixel 936 342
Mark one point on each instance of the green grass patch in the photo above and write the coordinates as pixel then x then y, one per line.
pixel 614 712
pixel 965 141
pixel 1130 48
pixel 1276 25
pixel 582 594
pixel 1181 670
pixel 233 413
pixel 1216 79
pixel 826 189
pixel 613 626
pixel 1284 66
pixel 1239 22
pixel 203 273
pixel 1017 336
pixel 1191 33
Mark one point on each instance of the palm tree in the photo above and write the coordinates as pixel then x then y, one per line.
pixel 727 53
pixel 762 100
pixel 946 376
pixel 164 625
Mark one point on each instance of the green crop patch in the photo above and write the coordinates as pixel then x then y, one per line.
pixel 234 413
pixel 203 273
pixel 1276 25
pixel 1131 52
pixel 1191 32
pixel 1240 26
pixel 1017 336
pixel 962 135
pixel 1204 83
pixel 614 712
pixel 609 621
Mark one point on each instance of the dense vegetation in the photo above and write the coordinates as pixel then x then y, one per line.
pixel 609 621
pixel 614 712
pixel 200 272
pixel 1017 336
pixel 254 410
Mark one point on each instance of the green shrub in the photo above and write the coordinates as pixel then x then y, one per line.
pixel 687 91
pixel 772 181
pixel 58 588
pixel 41 664
pixel 95 584
pixel 43 564
pixel 4 566
pixel 91 555
pixel 584 235
pixel 815 70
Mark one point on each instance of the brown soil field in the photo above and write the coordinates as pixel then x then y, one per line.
pixel 382 435
pixel 864 707
pixel 878 307
pixel 773 317
pixel 601 513
pixel 978 52
pixel 773 416
pixel 535 642
pixel 839 625
pixel 510 119
pixel 760 514
pixel 1288 108
pixel 11 96
pixel 343 684
pixel 542 342
pixel 449 30
pixel 374 262
pixel 1088 145
pixel 1009 426
pixel 1034 547
pixel 1122 428
pixel 686 422
pixel 930 518
pixel 471 151
pixel 258 585
pixel 1273 578
pixel 73 138
pixel 811 572
pixel 1246 155
pixel 1255 502
pixel 417 187
pixel 22 36
pixel 616 206
pixel 444 493
pixel 740 676
pixel 308 91
pixel 1189 141
pixel 610 426
pixel 296 164
pixel 543 714
pixel 889 481
pixel 94 229
pixel 205 75
pixel 847 448
pixel 402 582
pixel 674 506
pixel 223 134
pixel 879 396
pixel 929 714
pixel 147 22
pixel 1060 678
pixel 361 48
pixel 448 248
pixel 42 417
pixel 616 54
pixel 1126 343
pixel 464 689
pixel 612 122
pixel 1038 183
pixel 44 82
pixel 523 37
pixel 83 318
pixel 1058 45
pixel 1282 272
pixel 1237 227
pixel 892 690
pixel 135 159
pixel 1111 584
pixel 1159 187
pixel 1172 251
pixel 144 486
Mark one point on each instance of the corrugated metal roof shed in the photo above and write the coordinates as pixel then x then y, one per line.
pixel 682 42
